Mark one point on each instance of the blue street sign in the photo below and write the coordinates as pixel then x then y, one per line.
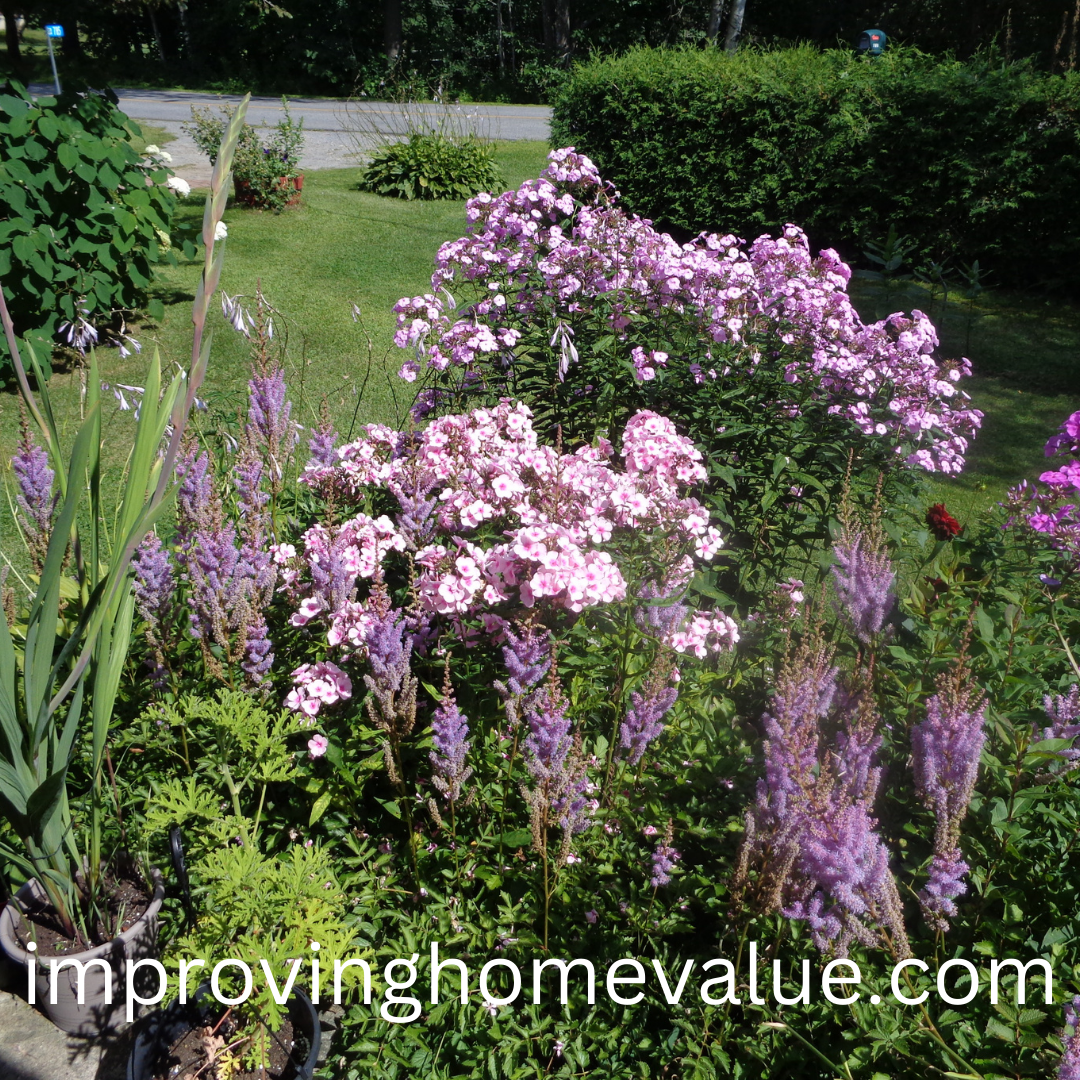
pixel 54 30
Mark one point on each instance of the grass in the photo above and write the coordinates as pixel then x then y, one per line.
pixel 344 246
pixel 1025 355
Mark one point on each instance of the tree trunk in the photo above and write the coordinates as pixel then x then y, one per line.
pixel 547 12
pixel 715 14
pixel 563 43
pixel 392 31
pixel 157 32
pixel 499 38
pixel 11 32
pixel 513 35
pixel 734 25
pixel 70 45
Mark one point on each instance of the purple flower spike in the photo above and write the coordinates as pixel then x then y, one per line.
pixel 664 857
pixel 945 750
pixel 155 597
pixel 863 578
pixel 527 658
pixel 322 445
pixel 1069 1069
pixel 548 741
pixel 645 719
pixel 35 498
pixel 450 730
pixel 1063 711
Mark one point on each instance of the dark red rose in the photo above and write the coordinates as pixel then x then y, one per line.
pixel 942 524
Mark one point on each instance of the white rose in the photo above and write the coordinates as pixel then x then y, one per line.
pixel 180 186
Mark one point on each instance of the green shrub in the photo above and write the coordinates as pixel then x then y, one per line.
pixel 975 159
pixel 83 218
pixel 433 166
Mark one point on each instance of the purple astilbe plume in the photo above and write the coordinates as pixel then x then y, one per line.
pixel 450 732
pixel 811 833
pixel 229 572
pixel 417 517
pixel 269 423
pixel 255 568
pixel 945 751
pixel 391 703
pixel 527 656
pixel 1063 712
pixel 548 742
pixel 659 619
pixel 322 445
pixel 35 499
pixel 663 858
pixel 645 717
pixel 556 765
pixel 863 579
pixel 1069 1069
pixel 155 597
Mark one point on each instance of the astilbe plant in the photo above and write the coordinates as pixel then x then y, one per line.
pixel 811 835
pixel 863 576
pixel 35 498
pixel 945 750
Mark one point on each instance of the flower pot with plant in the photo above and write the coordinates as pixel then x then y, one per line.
pixel 61 661
pixel 273 908
pixel 267 165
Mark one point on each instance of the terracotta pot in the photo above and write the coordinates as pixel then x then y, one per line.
pixel 247 195
pixel 95 1015
pixel 160 1030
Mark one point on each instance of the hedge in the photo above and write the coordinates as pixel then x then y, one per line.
pixel 975 160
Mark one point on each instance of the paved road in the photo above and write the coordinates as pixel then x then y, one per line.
pixel 331 114
pixel 338 133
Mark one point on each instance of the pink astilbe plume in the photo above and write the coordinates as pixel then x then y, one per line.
pixel 945 751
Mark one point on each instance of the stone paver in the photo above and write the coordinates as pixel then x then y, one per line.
pixel 31 1048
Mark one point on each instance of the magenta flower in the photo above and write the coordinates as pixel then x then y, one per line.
pixel 317 746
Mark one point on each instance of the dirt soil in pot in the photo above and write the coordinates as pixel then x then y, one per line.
pixel 126 899
pixel 214 1052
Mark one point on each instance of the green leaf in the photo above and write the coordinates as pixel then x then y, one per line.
pixel 320 806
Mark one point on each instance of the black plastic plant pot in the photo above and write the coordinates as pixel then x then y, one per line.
pixel 159 1032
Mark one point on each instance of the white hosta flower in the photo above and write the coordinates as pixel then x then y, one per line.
pixel 220 231
pixel 180 186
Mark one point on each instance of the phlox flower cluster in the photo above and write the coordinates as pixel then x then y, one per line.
pixel 559 522
pixel 1055 510
pixel 559 248
pixel 316 685
pixel 811 832
pixel 945 750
